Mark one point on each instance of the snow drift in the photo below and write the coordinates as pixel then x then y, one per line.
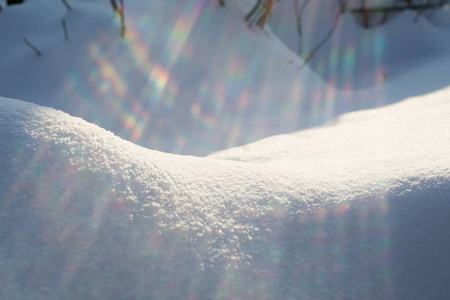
pixel 356 210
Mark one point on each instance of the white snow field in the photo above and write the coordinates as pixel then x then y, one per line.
pixel 356 210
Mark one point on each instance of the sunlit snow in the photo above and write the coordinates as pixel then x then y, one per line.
pixel 355 209
pixel 319 212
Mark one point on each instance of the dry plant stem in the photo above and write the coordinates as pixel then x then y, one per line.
pixel 66 33
pixel 122 7
pixel 260 13
pixel 342 5
pixel 299 9
pixel 121 12
pixel 114 6
pixel 253 11
pixel 122 19
pixel 267 13
pixel 66 4
pixel 36 50
pixel 418 7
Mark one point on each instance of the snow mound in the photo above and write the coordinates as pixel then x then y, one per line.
pixel 345 211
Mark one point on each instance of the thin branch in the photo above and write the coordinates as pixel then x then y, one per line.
pixel 122 7
pixel 122 19
pixel 66 4
pixel 342 6
pixel 265 13
pixel 121 12
pixel 66 33
pixel 420 8
pixel 36 50
pixel 299 17
pixel 114 5
pixel 253 11
pixel 397 8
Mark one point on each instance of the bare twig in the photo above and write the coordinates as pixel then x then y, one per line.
pixel 66 33
pixel 122 19
pixel 121 12
pixel 114 5
pixel 342 6
pixel 267 13
pixel 36 50
pixel 398 8
pixel 299 17
pixel 260 13
pixel 253 11
pixel 122 8
pixel 66 4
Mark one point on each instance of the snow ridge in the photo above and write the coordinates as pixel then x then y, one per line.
pixel 84 210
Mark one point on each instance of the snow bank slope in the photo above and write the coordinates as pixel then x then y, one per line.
pixel 317 214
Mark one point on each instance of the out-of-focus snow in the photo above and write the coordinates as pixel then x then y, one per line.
pixel 355 210
pixel 187 78
pixel 355 57
pixel 192 78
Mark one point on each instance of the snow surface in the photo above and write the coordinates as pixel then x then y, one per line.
pixel 355 210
